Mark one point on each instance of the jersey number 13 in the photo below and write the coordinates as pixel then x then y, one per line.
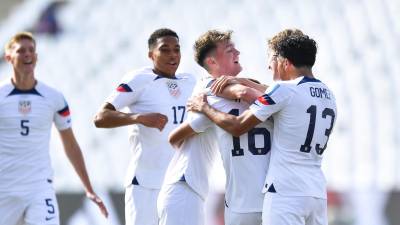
pixel 312 110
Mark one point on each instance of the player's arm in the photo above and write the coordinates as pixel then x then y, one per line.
pixel 74 154
pixel 252 84
pixel 109 117
pixel 179 134
pixel 222 82
pixel 235 125
pixel 239 91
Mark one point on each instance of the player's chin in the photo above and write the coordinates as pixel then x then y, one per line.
pixel 171 69
pixel 238 68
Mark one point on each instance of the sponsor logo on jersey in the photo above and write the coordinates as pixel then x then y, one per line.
pixel 173 88
pixel 124 88
pixel 49 218
pixel 266 100
pixel 24 107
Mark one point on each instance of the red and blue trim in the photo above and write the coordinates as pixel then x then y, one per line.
pixel 64 112
pixel 266 100
pixel 124 88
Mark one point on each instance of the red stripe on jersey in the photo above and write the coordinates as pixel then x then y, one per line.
pixel 124 88
pixel 263 100
pixel 64 112
pixel 266 100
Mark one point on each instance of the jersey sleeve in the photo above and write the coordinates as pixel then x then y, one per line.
pixel 62 117
pixel 274 99
pixel 128 90
pixel 198 122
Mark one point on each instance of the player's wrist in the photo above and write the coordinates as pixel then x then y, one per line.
pixel 204 107
pixel 135 118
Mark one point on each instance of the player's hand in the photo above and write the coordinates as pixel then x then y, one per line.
pixel 96 199
pixel 221 82
pixel 155 120
pixel 197 102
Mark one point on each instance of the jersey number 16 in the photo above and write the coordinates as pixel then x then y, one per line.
pixel 251 137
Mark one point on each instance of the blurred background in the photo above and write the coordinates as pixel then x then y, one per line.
pixel 85 47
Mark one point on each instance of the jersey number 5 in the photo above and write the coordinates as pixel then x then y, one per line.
pixel 251 137
pixel 24 128
pixel 306 147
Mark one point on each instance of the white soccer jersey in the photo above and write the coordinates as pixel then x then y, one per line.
pixel 143 91
pixel 304 112
pixel 245 158
pixel 26 117
pixel 195 157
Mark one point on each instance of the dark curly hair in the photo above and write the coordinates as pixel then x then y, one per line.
pixel 300 50
pixel 159 33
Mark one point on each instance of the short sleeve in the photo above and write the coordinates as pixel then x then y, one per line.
pixel 62 117
pixel 128 90
pixel 198 122
pixel 275 98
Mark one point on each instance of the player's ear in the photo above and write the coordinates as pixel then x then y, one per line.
pixel 7 57
pixel 209 61
pixel 287 63
pixel 150 55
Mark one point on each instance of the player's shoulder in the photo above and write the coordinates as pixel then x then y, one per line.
pixel 203 85
pixel 290 86
pixel 188 77
pixel 45 88
pixel 6 85
pixel 304 80
pixel 6 88
pixel 144 74
pixel 206 82
pixel 283 87
pixel 48 91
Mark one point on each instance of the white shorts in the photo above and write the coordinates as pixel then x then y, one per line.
pixel 289 210
pixel 141 205
pixel 30 208
pixel 234 218
pixel 179 204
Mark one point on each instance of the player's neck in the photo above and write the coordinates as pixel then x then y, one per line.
pixel 23 81
pixel 172 76
pixel 303 71
pixel 217 74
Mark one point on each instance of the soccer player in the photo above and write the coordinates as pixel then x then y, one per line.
pixel 28 109
pixel 156 98
pixel 245 158
pixel 304 112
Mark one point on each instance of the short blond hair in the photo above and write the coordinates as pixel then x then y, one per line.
pixel 273 42
pixel 207 43
pixel 18 37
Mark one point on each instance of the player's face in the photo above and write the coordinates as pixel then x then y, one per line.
pixel 273 65
pixel 227 59
pixel 282 68
pixel 166 55
pixel 23 56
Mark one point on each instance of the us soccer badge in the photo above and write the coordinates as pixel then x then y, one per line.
pixel 24 106
pixel 173 88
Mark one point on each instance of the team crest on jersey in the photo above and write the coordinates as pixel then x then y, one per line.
pixel 173 88
pixel 24 107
